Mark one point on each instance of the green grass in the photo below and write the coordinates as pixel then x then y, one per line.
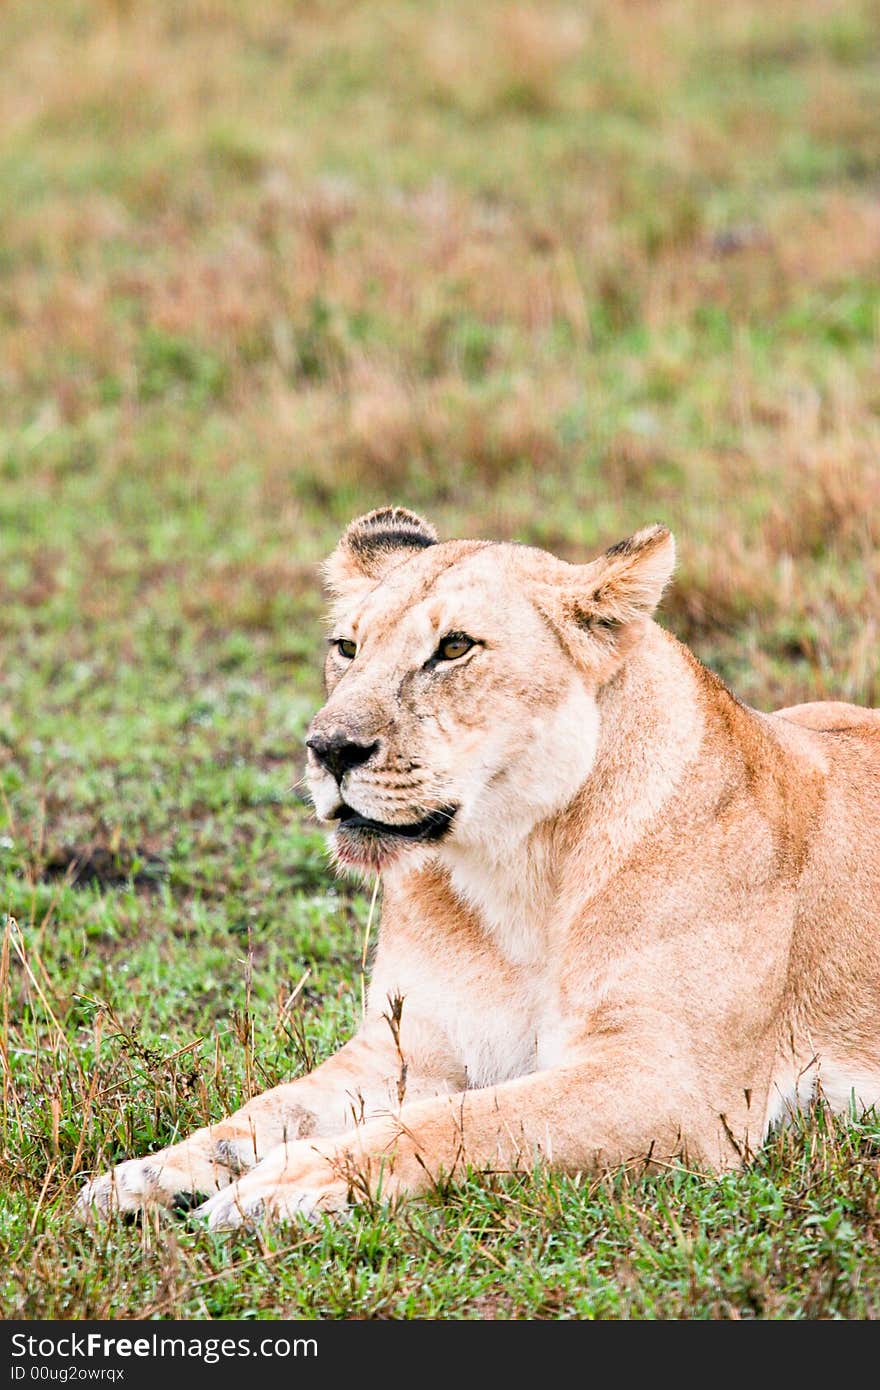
pixel 260 268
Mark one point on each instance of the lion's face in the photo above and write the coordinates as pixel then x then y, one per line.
pixel 456 713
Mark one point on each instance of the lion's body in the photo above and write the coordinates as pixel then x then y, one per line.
pixel 740 920
pixel 628 918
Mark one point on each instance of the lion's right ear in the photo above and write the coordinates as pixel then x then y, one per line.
pixel 371 546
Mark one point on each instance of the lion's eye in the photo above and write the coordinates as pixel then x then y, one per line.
pixel 346 647
pixel 454 645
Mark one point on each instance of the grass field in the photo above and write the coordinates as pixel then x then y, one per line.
pixel 548 272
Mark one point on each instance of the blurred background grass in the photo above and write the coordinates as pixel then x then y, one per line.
pixel 545 271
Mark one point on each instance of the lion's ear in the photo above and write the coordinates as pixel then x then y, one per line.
pixel 371 546
pixel 599 610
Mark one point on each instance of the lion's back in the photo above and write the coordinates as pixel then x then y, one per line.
pixel 834 716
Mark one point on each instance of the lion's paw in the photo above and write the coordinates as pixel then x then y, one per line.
pixel 293 1183
pixel 179 1178
pixel 130 1187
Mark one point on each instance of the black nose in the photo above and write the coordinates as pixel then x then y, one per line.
pixel 339 754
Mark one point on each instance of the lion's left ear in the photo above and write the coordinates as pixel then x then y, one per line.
pixel 599 610
pixel 371 546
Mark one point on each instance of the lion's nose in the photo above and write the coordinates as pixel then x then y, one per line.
pixel 340 754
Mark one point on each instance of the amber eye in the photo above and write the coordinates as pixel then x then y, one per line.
pixel 346 647
pixel 454 645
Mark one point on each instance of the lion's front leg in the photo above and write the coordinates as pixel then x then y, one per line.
pixel 360 1081
pixel 585 1117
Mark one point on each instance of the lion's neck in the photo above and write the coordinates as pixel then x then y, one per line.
pixel 511 890
pixel 650 728
pixel 652 725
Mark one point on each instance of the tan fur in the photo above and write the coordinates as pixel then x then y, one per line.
pixel 651 929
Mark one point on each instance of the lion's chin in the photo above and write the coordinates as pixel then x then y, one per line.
pixel 371 858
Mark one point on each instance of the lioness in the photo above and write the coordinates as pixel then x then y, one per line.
pixel 625 917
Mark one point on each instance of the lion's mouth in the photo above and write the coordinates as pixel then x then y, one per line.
pixel 432 828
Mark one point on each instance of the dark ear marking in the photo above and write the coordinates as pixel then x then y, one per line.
pixel 372 544
pixel 380 533
pixel 620 549
pixel 364 543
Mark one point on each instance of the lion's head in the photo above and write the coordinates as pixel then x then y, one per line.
pixel 462 681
